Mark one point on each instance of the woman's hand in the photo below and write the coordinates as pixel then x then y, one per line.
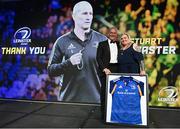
pixel 142 72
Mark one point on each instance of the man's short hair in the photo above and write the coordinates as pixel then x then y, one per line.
pixel 78 6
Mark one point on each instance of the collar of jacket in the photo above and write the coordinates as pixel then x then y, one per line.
pixel 88 35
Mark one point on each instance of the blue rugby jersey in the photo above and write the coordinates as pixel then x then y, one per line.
pixel 126 96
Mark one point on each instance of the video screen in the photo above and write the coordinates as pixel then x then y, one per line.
pixel 30 30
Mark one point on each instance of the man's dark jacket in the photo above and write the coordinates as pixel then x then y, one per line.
pixel 103 55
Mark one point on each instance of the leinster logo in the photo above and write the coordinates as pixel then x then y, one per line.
pixel 22 36
pixel 95 44
pixel 168 94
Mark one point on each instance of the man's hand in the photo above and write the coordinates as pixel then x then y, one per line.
pixel 76 58
pixel 107 71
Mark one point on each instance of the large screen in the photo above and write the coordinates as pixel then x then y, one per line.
pixel 29 30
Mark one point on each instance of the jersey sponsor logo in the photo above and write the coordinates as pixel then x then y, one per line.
pixel 125 93
pixel 95 44
pixel 168 94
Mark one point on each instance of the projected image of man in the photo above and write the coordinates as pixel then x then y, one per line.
pixel 79 67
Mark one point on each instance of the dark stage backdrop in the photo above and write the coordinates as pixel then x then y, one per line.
pixel 33 26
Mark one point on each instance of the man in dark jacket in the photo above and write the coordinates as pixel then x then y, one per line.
pixel 107 54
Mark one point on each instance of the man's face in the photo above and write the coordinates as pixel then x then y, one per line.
pixel 113 35
pixel 125 40
pixel 84 17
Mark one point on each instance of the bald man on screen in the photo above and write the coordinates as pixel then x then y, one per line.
pixel 78 49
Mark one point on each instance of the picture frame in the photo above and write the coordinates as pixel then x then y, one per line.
pixel 126 99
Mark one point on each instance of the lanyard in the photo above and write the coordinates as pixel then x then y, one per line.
pixel 80 66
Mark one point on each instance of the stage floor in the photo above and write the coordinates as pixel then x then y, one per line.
pixel 49 115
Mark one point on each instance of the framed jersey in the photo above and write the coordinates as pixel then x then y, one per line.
pixel 127 99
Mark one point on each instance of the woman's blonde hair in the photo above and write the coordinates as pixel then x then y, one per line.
pixel 129 37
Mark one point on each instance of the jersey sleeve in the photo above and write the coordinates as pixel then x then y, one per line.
pixel 112 84
pixel 141 85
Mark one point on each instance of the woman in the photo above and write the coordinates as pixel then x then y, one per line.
pixel 130 58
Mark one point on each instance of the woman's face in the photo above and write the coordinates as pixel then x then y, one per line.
pixel 125 40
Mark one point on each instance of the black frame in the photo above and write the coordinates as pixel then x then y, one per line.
pixel 146 108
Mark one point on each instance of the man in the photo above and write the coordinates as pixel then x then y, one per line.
pixel 107 54
pixel 74 56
